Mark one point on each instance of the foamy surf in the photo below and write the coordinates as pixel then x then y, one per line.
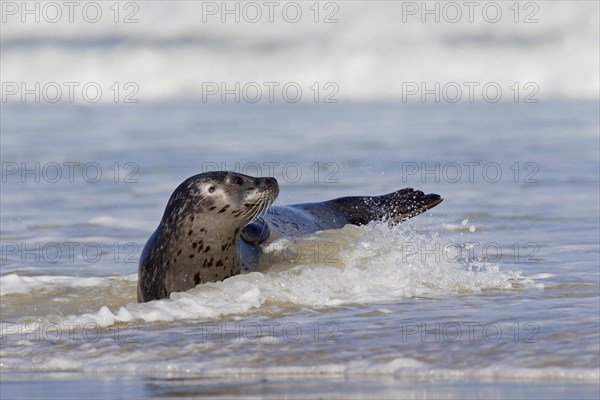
pixel 16 284
pixel 372 60
pixel 397 367
pixel 354 265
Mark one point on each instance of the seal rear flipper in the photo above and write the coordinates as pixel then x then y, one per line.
pixel 256 232
pixel 394 207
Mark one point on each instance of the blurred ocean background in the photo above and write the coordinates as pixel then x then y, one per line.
pixel 494 293
pixel 368 48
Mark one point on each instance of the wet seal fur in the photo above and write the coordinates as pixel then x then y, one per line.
pixel 211 229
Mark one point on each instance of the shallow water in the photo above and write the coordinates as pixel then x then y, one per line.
pixel 495 291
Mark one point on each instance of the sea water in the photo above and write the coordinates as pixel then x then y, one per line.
pixel 493 293
pixel 497 286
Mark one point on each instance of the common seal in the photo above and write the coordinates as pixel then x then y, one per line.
pixel 211 228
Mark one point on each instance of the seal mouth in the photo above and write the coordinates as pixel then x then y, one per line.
pixel 260 198
pixel 266 189
pixel 263 201
pixel 257 205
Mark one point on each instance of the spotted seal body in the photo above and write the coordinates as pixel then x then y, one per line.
pixel 210 230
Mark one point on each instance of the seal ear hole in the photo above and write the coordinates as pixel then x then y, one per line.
pixel 211 189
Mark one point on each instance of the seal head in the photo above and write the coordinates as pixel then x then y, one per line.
pixel 196 240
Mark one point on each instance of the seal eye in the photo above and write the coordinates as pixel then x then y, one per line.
pixel 211 189
pixel 237 181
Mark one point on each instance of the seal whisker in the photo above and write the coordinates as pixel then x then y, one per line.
pixel 252 211
pixel 266 213
pixel 259 208
pixel 246 212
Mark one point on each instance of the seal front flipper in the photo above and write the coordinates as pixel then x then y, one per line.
pixel 256 232
pixel 301 219
pixel 393 207
pixel 249 243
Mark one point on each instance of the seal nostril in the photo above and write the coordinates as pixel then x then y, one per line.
pixel 269 181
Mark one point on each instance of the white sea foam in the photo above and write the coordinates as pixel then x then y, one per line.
pixel 105 220
pixel 368 54
pixel 374 264
pixel 85 359
pixel 16 284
